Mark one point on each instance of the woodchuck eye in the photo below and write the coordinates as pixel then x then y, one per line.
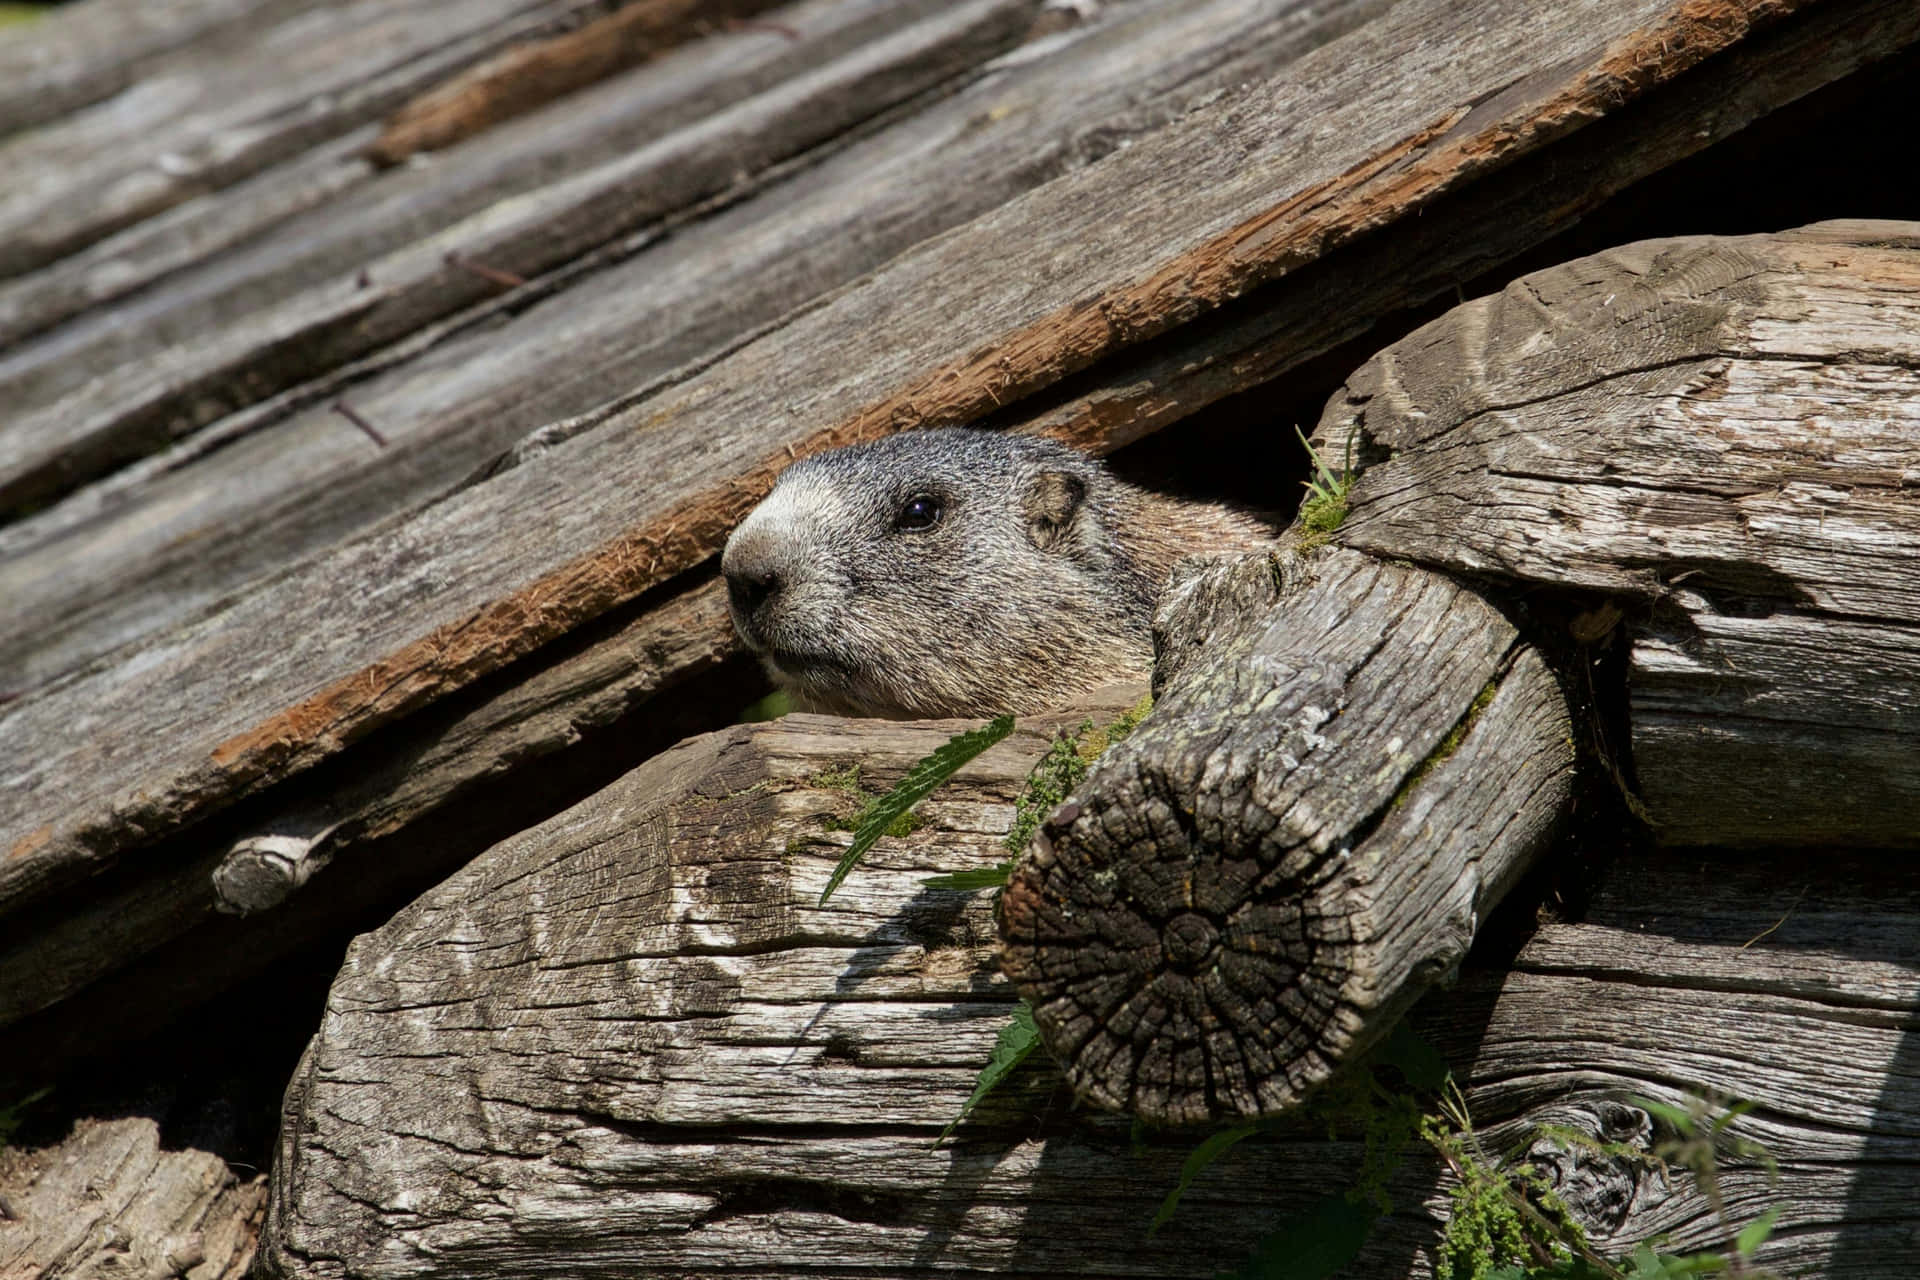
pixel 921 511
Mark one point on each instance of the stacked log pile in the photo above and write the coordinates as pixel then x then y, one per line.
pixel 361 501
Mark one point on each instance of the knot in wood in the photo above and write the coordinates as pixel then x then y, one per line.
pixel 1191 942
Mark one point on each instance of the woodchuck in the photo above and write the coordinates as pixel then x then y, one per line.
pixel 959 572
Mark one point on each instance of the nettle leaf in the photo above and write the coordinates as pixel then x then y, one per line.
pixel 1018 1039
pixel 1755 1233
pixel 1215 1146
pixel 915 787
pixel 994 877
pixel 1313 1244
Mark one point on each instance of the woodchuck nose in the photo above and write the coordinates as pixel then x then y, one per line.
pixel 959 572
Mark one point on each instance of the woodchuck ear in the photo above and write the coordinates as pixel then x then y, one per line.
pixel 1049 500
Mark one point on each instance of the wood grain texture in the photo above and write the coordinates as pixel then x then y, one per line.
pixel 1349 772
pixel 1461 238
pixel 1786 979
pixel 450 754
pixel 78 56
pixel 1220 201
pixel 1726 435
pixel 631 1041
pixel 89 405
pixel 112 1200
pixel 308 73
pixel 241 498
pixel 531 74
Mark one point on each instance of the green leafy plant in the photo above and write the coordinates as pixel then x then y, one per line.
pixel 1064 767
pixel 1018 1039
pixel 1324 509
pixel 882 814
pixel 1058 772
pixel 1506 1222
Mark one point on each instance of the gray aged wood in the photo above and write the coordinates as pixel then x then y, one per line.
pixel 110 1202
pixel 156 542
pixel 454 752
pixel 1351 768
pixel 157 557
pixel 312 72
pixel 95 396
pixel 1230 196
pixel 1499 217
pixel 630 1041
pixel 1724 436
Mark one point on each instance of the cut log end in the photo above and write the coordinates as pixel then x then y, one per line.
pixel 1253 887
pixel 1184 985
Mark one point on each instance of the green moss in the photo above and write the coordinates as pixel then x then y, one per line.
pixel 1324 509
pixel 1063 768
pixel 847 778
pixel 1449 744
pixel 844 777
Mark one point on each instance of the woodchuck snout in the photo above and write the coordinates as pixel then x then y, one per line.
pixel 959 572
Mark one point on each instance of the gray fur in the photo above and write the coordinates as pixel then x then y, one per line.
pixel 1037 582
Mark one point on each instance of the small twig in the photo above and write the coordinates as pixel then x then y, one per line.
pixel 352 415
pixel 506 279
pixel 1791 907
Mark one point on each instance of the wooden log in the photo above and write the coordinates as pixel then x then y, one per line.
pixel 1354 765
pixel 1187 929
pixel 471 609
pixel 112 1200
pixel 1724 436
pixel 633 1042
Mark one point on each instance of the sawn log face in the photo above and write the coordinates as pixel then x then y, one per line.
pixel 1351 764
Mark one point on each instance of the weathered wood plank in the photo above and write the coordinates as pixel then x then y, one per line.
pixel 1780 979
pixel 231 108
pixel 112 1200
pixel 199 521
pixel 92 399
pixel 81 54
pixel 392 786
pixel 632 1038
pixel 219 286
pixel 439 609
pixel 1726 435
pixel 536 72
pixel 1468 235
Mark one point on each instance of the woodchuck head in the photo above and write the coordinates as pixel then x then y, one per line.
pixel 958 572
